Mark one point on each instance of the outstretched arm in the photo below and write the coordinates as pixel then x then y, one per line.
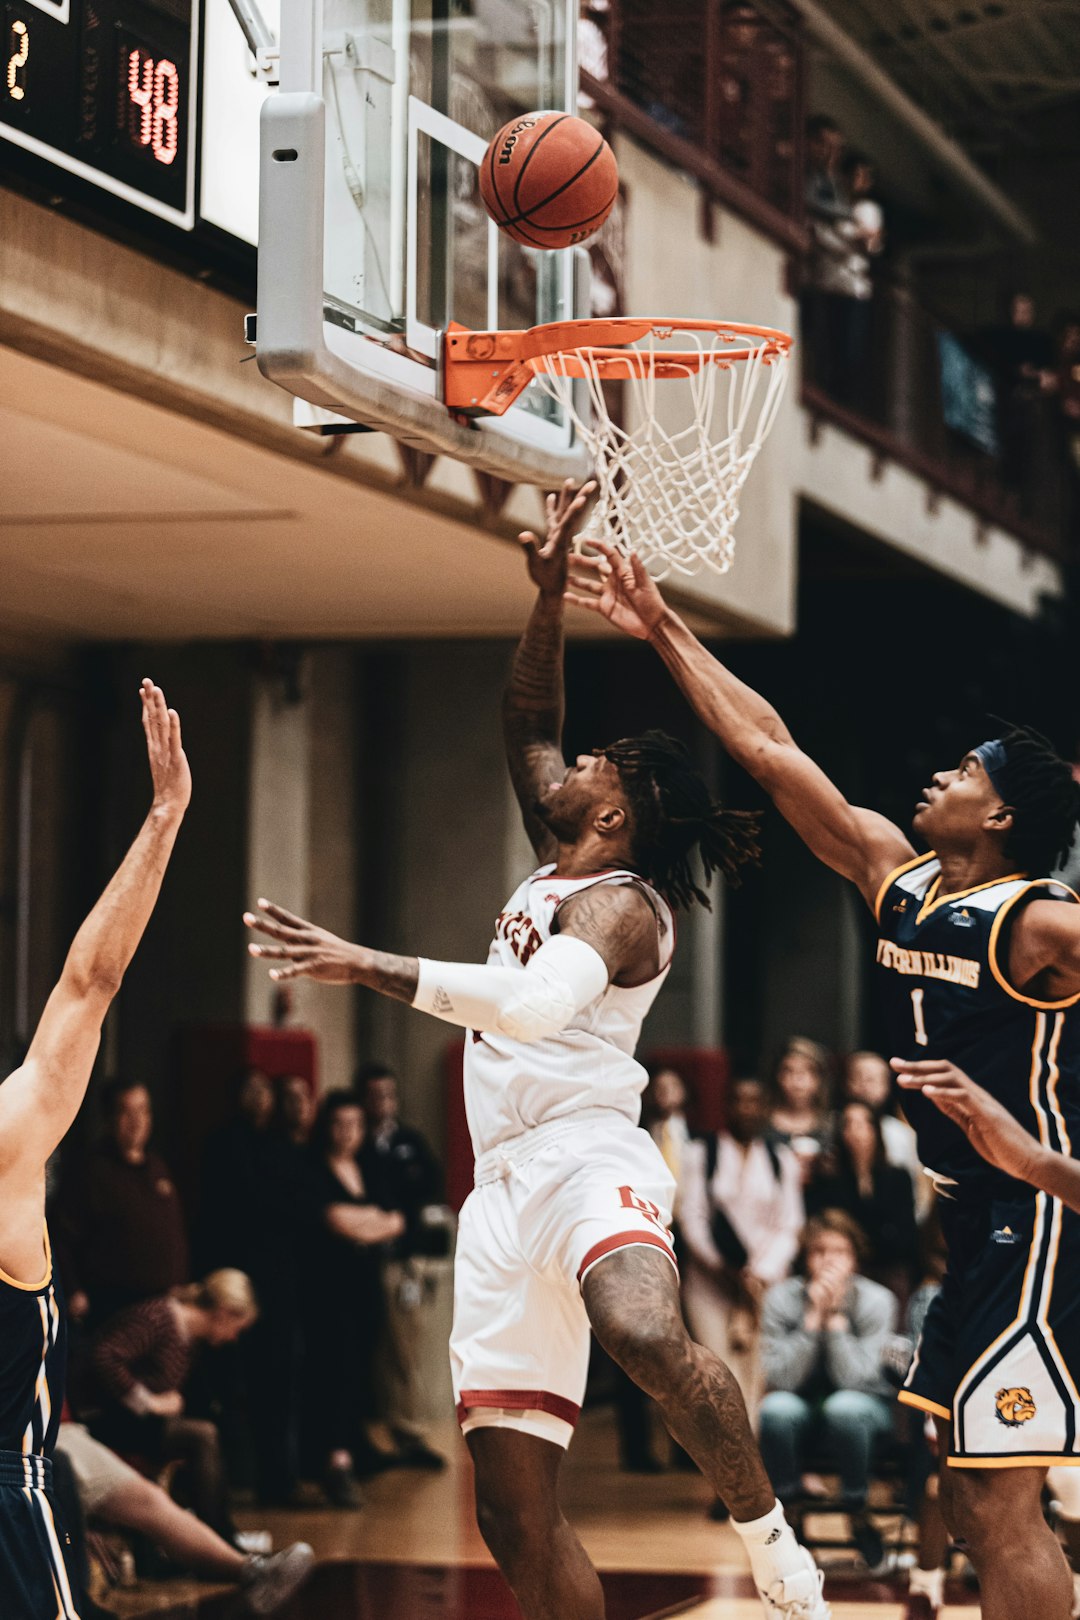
pixel 994 1133
pixel 859 844
pixel 606 935
pixel 39 1101
pixel 533 703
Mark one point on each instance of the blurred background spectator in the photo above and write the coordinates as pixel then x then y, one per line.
pixel 868 1079
pixel 799 1115
pixel 402 1174
pixel 142 1360
pixel 823 1335
pixel 253 1217
pixel 663 1114
pixel 296 1108
pixel 343 1293
pixel 876 1195
pixel 119 1225
pixel 741 1212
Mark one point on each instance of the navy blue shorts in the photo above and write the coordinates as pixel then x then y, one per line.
pixel 1000 1349
pixel 35 1583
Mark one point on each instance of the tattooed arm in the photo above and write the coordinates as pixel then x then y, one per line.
pixel 533 703
pixel 619 922
pixel 303 950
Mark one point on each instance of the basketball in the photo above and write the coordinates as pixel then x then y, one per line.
pixel 549 180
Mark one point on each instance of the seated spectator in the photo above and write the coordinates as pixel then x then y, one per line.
pixel 251 1219
pixel 876 1194
pixel 663 1114
pixel 345 1296
pixel 120 1226
pixel 142 1359
pixel 113 1494
pixel 823 1335
pixel 401 1173
pixel 741 1215
pixel 868 1079
pixel 799 1117
pixel 295 1108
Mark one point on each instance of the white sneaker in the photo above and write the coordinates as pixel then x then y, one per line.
pixel 798 1597
pixel 269 1581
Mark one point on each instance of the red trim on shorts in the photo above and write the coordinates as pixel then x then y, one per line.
pixel 625 1240
pixel 519 1400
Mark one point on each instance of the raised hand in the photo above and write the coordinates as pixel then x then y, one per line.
pixel 548 560
pixel 168 763
pixel 303 950
pixel 617 585
pixel 992 1131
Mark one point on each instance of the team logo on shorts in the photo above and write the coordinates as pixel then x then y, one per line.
pixel 1014 1407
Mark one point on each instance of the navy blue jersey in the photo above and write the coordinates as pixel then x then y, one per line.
pixel 33 1355
pixel 942 967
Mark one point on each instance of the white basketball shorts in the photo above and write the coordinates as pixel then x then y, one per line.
pixel 547 1207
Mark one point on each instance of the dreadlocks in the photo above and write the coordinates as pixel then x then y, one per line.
pixel 1045 800
pixel 673 812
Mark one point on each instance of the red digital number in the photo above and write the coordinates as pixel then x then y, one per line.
pixel 154 94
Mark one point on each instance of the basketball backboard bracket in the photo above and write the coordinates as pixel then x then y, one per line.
pixel 370 237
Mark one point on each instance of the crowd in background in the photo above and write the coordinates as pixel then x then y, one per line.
pixel 296 1261
pixel 807 1239
pixel 807 1242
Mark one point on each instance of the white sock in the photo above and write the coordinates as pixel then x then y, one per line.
pixel 931 1582
pixel 771 1547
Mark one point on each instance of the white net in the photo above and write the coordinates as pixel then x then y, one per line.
pixel 670 474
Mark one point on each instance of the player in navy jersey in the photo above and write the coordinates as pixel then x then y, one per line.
pixel 978 959
pixel 38 1102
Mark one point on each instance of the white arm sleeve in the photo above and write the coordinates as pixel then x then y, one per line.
pixel 560 980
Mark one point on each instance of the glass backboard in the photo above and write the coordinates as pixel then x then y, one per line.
pixel 373 237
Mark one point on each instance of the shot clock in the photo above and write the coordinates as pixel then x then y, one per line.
pixel 105 89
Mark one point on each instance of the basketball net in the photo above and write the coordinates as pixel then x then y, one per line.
pixel 669 488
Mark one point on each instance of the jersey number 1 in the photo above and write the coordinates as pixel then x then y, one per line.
pixel 921 1037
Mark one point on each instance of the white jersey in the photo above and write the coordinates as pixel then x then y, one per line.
pixel 512 1086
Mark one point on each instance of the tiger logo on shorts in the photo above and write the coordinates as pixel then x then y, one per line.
pixel 1014 1406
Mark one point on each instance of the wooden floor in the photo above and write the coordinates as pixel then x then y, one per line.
pixel 414 1553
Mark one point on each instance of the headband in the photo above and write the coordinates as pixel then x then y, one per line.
pixel 993 759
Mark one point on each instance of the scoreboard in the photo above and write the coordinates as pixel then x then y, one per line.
pixel 107 89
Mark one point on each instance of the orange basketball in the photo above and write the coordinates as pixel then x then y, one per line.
pixel 549 180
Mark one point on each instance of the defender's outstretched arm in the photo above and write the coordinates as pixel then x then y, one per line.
pixel 993 1132
pixel 859 844
pixel 533 703
pixel 39 1100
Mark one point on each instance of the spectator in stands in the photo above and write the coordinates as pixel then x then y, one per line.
pixel 876 1195
pixel 142 1360
pixel 865 236
pixel 868 1079
pixel 799 1116
pixel 345 1296
pixel 114 1494
pixel 401 1173
pixel 1023 357
pixel 823 1335
pixel 741 1215
pixel 295 1111
pixel 663 1114
pixel 826 302
pixel 120 1225
pixel 252 1219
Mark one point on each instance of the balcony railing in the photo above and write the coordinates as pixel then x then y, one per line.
pixel 716 87
pixel 936 403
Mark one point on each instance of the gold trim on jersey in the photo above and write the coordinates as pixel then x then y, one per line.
pixel 934 900
pixel 1028 1001
pixel 898 871
pixel 33 1288
pixel 924 1404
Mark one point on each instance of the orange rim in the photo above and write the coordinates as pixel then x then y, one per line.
pixel 485 372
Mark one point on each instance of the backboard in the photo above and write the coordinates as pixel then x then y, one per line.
pixel 372 235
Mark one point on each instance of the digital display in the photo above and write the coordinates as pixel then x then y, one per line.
pixel 105 88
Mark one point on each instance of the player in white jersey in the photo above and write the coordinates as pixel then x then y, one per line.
pixel 567 1226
